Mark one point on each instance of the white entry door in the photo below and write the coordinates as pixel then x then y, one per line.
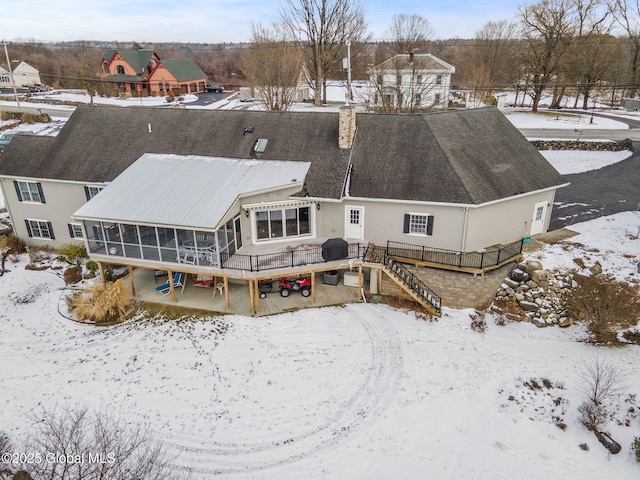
pixel 539 216
pixel 354 222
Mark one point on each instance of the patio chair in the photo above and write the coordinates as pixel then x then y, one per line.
pixel 165 288
pixel 186 255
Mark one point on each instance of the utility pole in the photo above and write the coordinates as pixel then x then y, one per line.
pixel 13 83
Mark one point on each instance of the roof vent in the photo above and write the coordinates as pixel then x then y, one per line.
pixel 247 130
pixel 261 145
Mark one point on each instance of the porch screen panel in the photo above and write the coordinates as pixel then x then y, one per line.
pixel 114 239
pixel 148 236
pixel 168 245
pixel 231 241
pixel 95 237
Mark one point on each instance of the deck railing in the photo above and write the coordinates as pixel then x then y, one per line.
pixel 452 258
pixel 311 256
pixel 286 259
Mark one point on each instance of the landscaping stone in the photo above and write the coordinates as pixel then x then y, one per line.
pixel 72 275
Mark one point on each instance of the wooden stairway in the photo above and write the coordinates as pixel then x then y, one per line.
pixel 416 288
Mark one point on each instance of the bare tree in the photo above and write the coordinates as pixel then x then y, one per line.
pixel 491 61
pixel 84 445
pixel 548 28
pixel 322 28
pixel 409 33
pixel 627 14
pixel 273 67
pixel 603 383
pixel 5 447
pixel 590 55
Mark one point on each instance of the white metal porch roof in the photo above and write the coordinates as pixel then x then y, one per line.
pixel 187 190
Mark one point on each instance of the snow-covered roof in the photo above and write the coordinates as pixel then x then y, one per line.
pixel 187 190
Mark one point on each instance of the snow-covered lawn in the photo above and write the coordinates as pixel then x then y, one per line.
pixel 568 121
pixel 578 161
pixel 360 391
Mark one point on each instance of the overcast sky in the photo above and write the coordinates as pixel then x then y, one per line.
pixel 217 21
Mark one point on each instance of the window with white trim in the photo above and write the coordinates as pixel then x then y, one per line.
pixel 39 229
pixel 91 191
pixel 75 230
pixel 283 222
pixel 418 224
pixel 539 212
pixel 29 191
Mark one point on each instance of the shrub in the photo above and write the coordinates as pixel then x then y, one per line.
pixel 605 304
pixel 478 322
pixel 635 448
pixel 29 118
pixel 41 254
pixel 72 252
pixel 92 266
pixel 16 244
pixel 102 303
pixel 584 447
pixel 593 416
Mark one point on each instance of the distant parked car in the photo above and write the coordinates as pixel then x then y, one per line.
pixel 5 138
pixel 38 87
pixel 215 88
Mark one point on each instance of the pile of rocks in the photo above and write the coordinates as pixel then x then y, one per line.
pixel 538 293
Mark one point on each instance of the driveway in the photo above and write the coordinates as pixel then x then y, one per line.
pixel 609 190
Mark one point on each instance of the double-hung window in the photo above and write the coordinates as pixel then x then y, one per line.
pixel 75 230
pixel 39 229
pixel 29 191
pixel 91 191
pixel 418 224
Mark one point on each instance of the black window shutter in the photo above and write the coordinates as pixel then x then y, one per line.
pixel 86 193
pixel 430 225
pixel 41 193
pixel 15 183
pixel 70 230
pixel 53 237
pixel 407 220
pixel 28 228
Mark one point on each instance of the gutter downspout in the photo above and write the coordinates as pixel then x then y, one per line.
pixel 463 246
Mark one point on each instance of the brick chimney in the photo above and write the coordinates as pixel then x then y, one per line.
pixel 347 126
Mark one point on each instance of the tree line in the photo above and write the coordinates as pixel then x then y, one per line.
pixel 586 49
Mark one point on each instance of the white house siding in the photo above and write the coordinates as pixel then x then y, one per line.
pixel 384 222
pixel 62 199
pixel 504 221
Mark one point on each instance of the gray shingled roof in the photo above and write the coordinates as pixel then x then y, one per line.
pixel 99 142
pixel 463 157
pixel 468 156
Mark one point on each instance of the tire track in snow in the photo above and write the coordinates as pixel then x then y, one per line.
pixel 208 458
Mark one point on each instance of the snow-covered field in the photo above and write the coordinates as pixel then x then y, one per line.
pixel 360 391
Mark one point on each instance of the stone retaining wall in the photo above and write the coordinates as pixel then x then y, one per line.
pixel 457 290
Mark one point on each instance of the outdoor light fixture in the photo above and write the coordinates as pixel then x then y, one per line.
pixel 246 212
pixel 318 206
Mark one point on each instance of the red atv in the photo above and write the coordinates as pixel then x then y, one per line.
pixel 299 284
